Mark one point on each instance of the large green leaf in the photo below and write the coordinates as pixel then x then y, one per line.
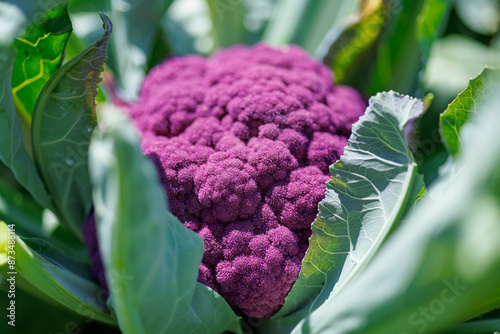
pixel 52 272
pixel 284 22
pixel 137 40
pixel 305 22
pixel 175 36
pixel 387 46
pixel 455 59
pixel 32 315
pixel 346 54
pixel 430 22
pixel 12 150
pixel 406 43
pixel 319 19
pixel 155 256
pixel 17 207
pixel 39 54
pixel 441 266
pixel 89 6
pixel 373 185
pixel 488 326
pixel 33 221
pixel 227 22
pixel 136 27
pixel 465 107
pixel 63 121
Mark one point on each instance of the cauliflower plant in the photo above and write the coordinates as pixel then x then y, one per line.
pixel 242 142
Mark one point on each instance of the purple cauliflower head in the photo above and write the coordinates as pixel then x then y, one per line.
pixel 242 142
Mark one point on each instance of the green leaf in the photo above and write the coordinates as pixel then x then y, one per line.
pixel 441 266
pixel 39 54
pixel 357 39
pixel 137 26
pixel 12 150
pixel 388 45
pixel 134 43
pixel 320 17
pixel 488 326
pixel 151 259
pixel 455 59
pixel 227 22
pixel 465 107
pixel 89 6
pixel 175 36
pixel 209 313
pixel 430 22
pixel 33 221
pixel 373 186
pixel 32 316
pixel 63 121
pixel 283 23
pixel 17 207
pixel 305 22
pixel 52 272
pixel 399 53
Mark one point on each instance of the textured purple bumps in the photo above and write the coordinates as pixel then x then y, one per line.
pixel 243 141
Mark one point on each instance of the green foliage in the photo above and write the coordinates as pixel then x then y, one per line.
pixel 465 106
pixel 227 22
pixel 306 22
pixel 487 326
pixel 430 22
pixel 347 51
pixel 137 42
pixel 37 311
pixel 136 27
pixel 374 184
pixel 319 18
pixel 63 121
pixel 12 150
pixel 31 221
pixel 388 44
pixel 56 275
pixel 39 54
pixel 441 266
pixel 174 38
pixel 398 54
pixel 151 259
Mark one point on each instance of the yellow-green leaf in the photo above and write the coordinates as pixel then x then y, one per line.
pixel 39 54
pixel 12 147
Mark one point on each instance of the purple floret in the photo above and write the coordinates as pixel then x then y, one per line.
pixel 243 141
